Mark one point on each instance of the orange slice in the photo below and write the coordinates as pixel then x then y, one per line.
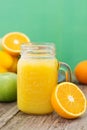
pixel 68 100
pixel 12 42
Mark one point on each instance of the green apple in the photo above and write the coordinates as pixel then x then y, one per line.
pixel 8 87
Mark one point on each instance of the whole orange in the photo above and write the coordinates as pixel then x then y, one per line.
pixel 81 72
pixel 13 67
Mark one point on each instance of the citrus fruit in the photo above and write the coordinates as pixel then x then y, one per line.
pixel 68 100
pixel 8 87
pixel 11 42
pixel 13 67
pixel 2 69
pixel 81 72
pixel 6 60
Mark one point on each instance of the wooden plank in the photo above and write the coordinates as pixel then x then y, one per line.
pixel 5 117
pixel 47 122
pixel 33 122
pixel 4 107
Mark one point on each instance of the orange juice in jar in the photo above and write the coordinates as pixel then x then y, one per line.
pixel 37 76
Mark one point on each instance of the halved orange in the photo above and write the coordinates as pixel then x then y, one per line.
pixel 12 42
pixel 68 100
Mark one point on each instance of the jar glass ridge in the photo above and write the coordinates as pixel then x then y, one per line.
pixel 45 50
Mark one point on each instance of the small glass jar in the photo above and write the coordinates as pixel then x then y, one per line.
pixel 37 76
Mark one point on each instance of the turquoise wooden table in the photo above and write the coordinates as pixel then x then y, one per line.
pixel 13 119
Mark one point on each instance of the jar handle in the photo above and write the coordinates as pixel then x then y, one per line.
pixel 67 71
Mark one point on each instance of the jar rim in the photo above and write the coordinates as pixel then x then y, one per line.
pixel 35 48
pixel 38 44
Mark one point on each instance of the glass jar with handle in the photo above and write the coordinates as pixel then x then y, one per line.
pixel 37 72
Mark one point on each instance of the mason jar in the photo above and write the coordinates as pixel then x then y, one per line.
pixel 37 72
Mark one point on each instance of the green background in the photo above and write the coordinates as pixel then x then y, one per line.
pixel 63 22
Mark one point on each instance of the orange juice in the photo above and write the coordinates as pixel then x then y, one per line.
pixel 36 80
pixel 37 76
